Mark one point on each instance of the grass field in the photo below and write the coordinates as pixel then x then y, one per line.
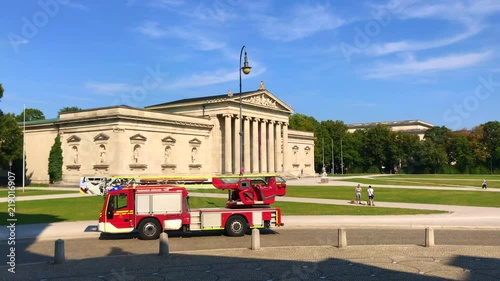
pixel 429 180
pixel 31 192
pixel 88 208
pixel 403 195
pixel 425 196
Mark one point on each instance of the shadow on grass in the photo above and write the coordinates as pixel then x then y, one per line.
pixel 31 218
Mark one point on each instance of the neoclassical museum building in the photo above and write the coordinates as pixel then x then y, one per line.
pixel 197 136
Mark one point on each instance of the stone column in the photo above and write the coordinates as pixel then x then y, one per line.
pixel 255 145
pixel 277 148
pixel 227 144
pixel 237 145
pixel 286 161
pixel 246 143
pixel 271 147
pixel 263 146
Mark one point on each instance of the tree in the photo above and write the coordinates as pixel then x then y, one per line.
pixel 55 161
pixel 69 109
pixel 11 140
pixel 32 114
pixel 1 95
pixel 491 139
pixel 376 147
pixel 301 122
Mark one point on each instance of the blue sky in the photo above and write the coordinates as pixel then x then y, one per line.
pixel 355 61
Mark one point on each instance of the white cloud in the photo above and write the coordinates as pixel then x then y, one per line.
pixel 470 14
pixel 193 37
pixel 407 45
pixel 465 11
pixel 108 88
pixel 75 5
pixel 210 78
pixel 410 65
pixel 152 29
pixel 301 23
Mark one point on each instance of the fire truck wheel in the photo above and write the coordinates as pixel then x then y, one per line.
pixel 149 229
pixel 236 226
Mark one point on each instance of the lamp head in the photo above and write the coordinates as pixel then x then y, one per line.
pixel 246 68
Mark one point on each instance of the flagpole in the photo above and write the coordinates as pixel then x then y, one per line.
pixel 333 160
pixel 341 157
pixel 24 142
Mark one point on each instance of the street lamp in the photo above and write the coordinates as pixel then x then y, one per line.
pixel 246 70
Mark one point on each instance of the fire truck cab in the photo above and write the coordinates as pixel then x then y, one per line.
pixel 150 210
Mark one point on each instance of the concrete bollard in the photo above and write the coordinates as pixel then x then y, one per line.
pixel 163 244
pixel 342 238
pixel 429 237
pixel 255 239
pixel 59 257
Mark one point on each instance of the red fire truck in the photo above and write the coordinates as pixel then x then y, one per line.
pixel 150 210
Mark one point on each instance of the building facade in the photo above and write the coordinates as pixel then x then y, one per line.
pixel 199 136
pixel 415 127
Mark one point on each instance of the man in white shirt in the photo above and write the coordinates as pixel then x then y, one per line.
pixel 371 195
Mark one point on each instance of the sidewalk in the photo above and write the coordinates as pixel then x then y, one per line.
pixel 286 263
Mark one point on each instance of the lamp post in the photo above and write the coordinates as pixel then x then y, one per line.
pixel 246 70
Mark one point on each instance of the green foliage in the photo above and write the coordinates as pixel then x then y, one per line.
pixel 11 140
pixel 69 109
pixel 368 150
pixel 32 114
pixel 55 161
pixel 1 91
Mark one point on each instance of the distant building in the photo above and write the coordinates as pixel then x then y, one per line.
pixel 416 127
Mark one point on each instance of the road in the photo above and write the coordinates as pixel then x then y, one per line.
pixel 30 251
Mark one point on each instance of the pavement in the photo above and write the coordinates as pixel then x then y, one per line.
pixel 289 263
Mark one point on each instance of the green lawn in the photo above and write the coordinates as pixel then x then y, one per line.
pixel 403 195
pixel 88 208
pixel 425 196
pixel 443 182
pixel 30 192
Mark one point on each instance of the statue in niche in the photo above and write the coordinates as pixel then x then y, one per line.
pixel 137 151
pixel 168 151
pixel 193 154
pixel 75 154
pixel 102 154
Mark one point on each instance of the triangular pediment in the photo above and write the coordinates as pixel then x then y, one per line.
pixel 264 99
pixel 74 138
pixel 195 141
pixel 101 137
pixel 260 98
pixel 168 140
pixel 138 137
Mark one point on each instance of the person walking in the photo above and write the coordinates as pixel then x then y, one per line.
pixel 483 186
pixel 371 195
pixel 358 191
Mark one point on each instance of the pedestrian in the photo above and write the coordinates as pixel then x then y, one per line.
pixel 358 191
pixel 483 186
pixel 371 195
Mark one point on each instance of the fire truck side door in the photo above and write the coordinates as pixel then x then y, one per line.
pixel 119 213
